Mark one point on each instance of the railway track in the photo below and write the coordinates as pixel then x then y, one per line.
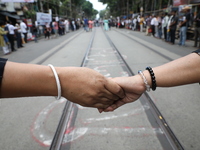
pixel 102 60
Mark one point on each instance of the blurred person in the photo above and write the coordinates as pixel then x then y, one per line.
pixel 55 27
pixel 47 31
pixel 90 22
pixel 66 25
pixel 134 24
pixel 3 42
pixel 106 27
pixel 86 24
pixel 24 29
pixel 197 30
pixel 141 23
pixel 18 33
pixel 148 24
pixel 11 35
pixel 173 26
pixel 164 25
pixel 184 25
pixel 35 32
pixel 153 20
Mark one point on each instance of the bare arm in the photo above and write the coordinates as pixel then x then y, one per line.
pixel 80 85
pixel 182 71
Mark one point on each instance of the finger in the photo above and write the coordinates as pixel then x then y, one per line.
pixel 116 105
pixel 114 88
pixel 100 110
pixel 101 106
pixel 110 95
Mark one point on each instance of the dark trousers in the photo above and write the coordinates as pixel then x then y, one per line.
pixel 153 30
pixel 173 33
pixel 19 40
pixel 11 38
pixel 197 36
pixel 165 33
pixel 25 37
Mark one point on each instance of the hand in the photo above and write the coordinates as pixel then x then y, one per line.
pixel 88 87
pixel 133 87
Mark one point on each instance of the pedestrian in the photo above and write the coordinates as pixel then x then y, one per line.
pixel 86 24
pixel 66 25
pixel 148 24
pixel 197 31
pixel 18 35
pixel 153 20
pixel 69 82
pixel 47 31
pixel 3 43
pixel 134 24
pixel 173 26
pixel 90 22
pixel 55 27
pixel 35 32
pixel 179 72
pixel 141 23
pixel 184 25
pixel 11 35
pixel 106 27
pixel 164 25
pixel 24 29
pixel 73 25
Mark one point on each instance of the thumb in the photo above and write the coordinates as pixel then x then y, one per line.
pixel 114 88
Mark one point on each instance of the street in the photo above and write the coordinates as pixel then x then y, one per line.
pixel 30 123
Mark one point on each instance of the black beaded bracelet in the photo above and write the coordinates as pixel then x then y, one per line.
pixel 153 78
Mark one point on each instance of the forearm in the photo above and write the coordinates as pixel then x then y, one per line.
pixel 178 72
pixel 20 80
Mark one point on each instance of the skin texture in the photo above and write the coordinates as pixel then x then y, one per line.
pixel 79 85
pixel 178 72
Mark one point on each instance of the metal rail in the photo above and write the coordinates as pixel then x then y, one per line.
pixel 59 135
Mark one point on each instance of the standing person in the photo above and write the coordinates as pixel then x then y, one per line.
pixel 183 26
pixel 141 23
pixel 86 24
pixel 159 27
pixel 47 31
pixel 90 22
pixel 3 43
pixel 153 25
pixel 18 33
pixel 106 28
pixel 197 30
pixel 148 22
pixel 164 25
pixel 173 26
pixel 23 27
pixel 55 26
pixel 11 35
pixel 66 25
pixel 35 32
pixel 134 23
pixel 74 25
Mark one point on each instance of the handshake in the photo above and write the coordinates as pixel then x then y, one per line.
pixel 88 88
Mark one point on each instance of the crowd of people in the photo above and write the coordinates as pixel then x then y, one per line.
pixel 15 35
pixel 165 25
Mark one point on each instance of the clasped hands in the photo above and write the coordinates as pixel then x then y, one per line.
pixel 89 88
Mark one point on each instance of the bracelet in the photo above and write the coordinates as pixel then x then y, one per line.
pixel 57 80
pixel 145 80
pixel 153 78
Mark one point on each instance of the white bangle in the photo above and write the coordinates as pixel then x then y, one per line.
pixel 57 81
pixel 145 80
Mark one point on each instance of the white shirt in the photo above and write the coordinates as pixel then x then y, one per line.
pixel 23 27
pixel 11 29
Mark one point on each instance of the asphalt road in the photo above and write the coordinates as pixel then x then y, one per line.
pixel 30 123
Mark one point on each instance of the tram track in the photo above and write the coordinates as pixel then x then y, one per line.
pixel 169 141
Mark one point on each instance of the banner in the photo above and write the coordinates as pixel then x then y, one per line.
pixel 180 2
pixel 18 1
pixel 43 18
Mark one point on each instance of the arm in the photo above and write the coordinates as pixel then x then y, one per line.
pixel 80 85
pixel 178 72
